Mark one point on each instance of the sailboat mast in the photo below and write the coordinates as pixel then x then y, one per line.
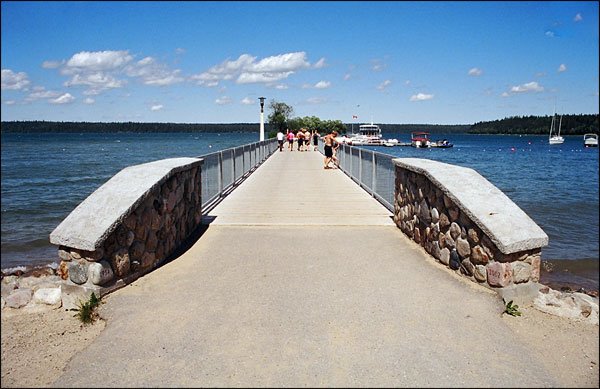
pixel 559 125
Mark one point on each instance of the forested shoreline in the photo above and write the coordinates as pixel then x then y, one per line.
pixel 571 125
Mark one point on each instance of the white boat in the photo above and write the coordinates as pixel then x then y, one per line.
pixel 590 140
pixel 368 135
pixel 555 139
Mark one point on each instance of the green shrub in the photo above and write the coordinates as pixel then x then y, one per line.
pixel 86 313
pixel 511 309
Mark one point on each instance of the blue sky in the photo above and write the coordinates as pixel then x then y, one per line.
pixel 208 62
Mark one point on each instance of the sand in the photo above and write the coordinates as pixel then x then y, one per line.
pixel 37 345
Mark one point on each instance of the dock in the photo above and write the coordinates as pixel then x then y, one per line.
pixel 301 278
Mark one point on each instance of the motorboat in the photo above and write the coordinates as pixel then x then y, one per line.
pixel 420 139
pixel 590 140
pixel 441 144
pixel 368 135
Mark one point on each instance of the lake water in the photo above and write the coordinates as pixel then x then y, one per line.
pixel 45 176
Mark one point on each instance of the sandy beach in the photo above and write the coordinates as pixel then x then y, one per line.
pixel 38 344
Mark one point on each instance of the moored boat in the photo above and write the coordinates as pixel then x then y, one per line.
pixel 368 135
pixel 590 140
pixel 420 139
pixel 443 143
pixel 555 139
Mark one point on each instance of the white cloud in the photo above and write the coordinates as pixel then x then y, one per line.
pixel 246 69
pixel 250 78
pixel 318 85
pixel 14 81
pixel 179 51
pixel 320 64
pixel 475 72
pixel 322 85
pixel 223 100
pixel 347 76
pixel 51 64
pixel 562 68
pixel 10 102
pixel 377 65
pixel 104 70
pixel 526 88
pixel 281 86
pixel 153 73
pixel 97 61
pixel 549 33
pixel 89 100
pixel 97 82
pixel 64 99
pixel 157 107
pixel 247 101
pixel 578 18
pixel 315 100
pixel 421 97
pixel 384 85
pixel 41 93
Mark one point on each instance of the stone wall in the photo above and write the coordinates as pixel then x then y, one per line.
pixel 129 226
pixel 466 223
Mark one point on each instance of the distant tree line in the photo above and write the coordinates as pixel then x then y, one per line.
pixel 70 127
pixel 571 125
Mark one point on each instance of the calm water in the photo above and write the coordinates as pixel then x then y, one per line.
pixel 45 176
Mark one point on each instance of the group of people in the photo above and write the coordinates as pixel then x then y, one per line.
pixel 303 138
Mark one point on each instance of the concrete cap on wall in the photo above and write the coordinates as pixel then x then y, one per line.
pixel 507 225
pixel 92 221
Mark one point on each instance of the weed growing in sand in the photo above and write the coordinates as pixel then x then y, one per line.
pixel 511 309
pixel 86 313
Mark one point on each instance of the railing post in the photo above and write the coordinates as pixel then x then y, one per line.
pixel 233 166
pixel 220 174
pixel 360 166
pixel 374 185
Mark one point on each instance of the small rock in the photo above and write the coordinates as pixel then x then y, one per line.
pixel 19 298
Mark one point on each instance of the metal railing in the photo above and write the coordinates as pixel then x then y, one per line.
pixel 373 171
pixel 223 170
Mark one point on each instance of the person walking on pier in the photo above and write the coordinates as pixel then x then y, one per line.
pixel 290 139
pixel 307 140
pixel 300 136
pixel 315 139
pixel 330 145
pixel 280 139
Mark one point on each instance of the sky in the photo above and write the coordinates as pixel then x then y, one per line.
pixel 382 62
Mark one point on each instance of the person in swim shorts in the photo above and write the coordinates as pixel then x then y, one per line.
pixel 329 142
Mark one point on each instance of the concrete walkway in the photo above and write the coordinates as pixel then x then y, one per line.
pixel 301 279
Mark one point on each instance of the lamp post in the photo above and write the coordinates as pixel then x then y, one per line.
pixel 262 118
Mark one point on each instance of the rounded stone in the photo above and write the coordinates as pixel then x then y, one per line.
pixel 78 272
pixel 480 273
pixel 445 256
pixel 435 215
pixel 454 260
pixel 100 273
pixel 463 248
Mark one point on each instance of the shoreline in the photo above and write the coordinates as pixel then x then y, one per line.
pixel 566 275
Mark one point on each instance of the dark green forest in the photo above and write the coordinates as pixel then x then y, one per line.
pixel 571 125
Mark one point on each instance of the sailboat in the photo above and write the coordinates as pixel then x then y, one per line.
pixel 555 139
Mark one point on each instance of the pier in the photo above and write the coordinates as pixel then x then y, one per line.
pixel 300 277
